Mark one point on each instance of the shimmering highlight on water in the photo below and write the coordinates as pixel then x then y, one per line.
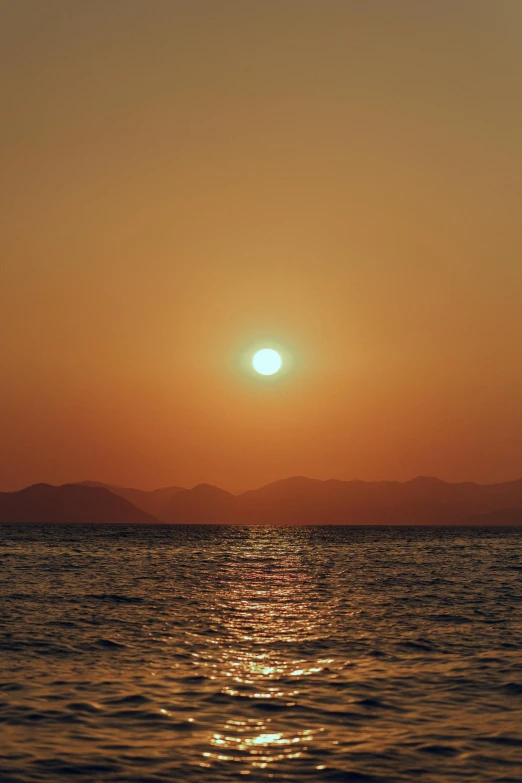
pixel 222 653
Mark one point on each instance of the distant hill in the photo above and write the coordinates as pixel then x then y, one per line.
pixel 154 502
pixel 68 503
pixel 292 501
pixel 202 504
pixel 421 501
pixel 299 500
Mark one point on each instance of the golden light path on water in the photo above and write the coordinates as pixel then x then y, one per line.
pixel 263 607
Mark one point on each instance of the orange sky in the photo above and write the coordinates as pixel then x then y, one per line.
pixel 183 179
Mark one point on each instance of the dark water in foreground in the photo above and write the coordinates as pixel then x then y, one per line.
pixel 223 654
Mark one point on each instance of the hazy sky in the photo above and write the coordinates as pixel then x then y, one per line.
pixel 184 179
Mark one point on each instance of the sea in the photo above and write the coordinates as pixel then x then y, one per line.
pixel 211 653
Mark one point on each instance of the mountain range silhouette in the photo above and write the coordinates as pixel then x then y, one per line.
pixel 295 501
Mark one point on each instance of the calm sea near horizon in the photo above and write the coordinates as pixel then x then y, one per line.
pixel 213 653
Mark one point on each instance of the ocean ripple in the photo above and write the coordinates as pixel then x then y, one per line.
pixel 154 654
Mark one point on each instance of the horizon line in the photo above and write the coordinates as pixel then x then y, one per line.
pixel 420 477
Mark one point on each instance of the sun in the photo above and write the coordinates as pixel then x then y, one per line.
pixel 267 361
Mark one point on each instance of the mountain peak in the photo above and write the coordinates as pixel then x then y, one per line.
pixel 44 503
pixel 427 481
pixel 208 490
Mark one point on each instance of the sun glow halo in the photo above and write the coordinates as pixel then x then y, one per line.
pixel 267 361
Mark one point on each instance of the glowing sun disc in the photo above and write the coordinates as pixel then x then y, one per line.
pixel 267 361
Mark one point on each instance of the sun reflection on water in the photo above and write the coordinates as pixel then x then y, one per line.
pixel 253 742
pixel 263 608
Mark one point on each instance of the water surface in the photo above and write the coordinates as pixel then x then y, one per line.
pixel 145 655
